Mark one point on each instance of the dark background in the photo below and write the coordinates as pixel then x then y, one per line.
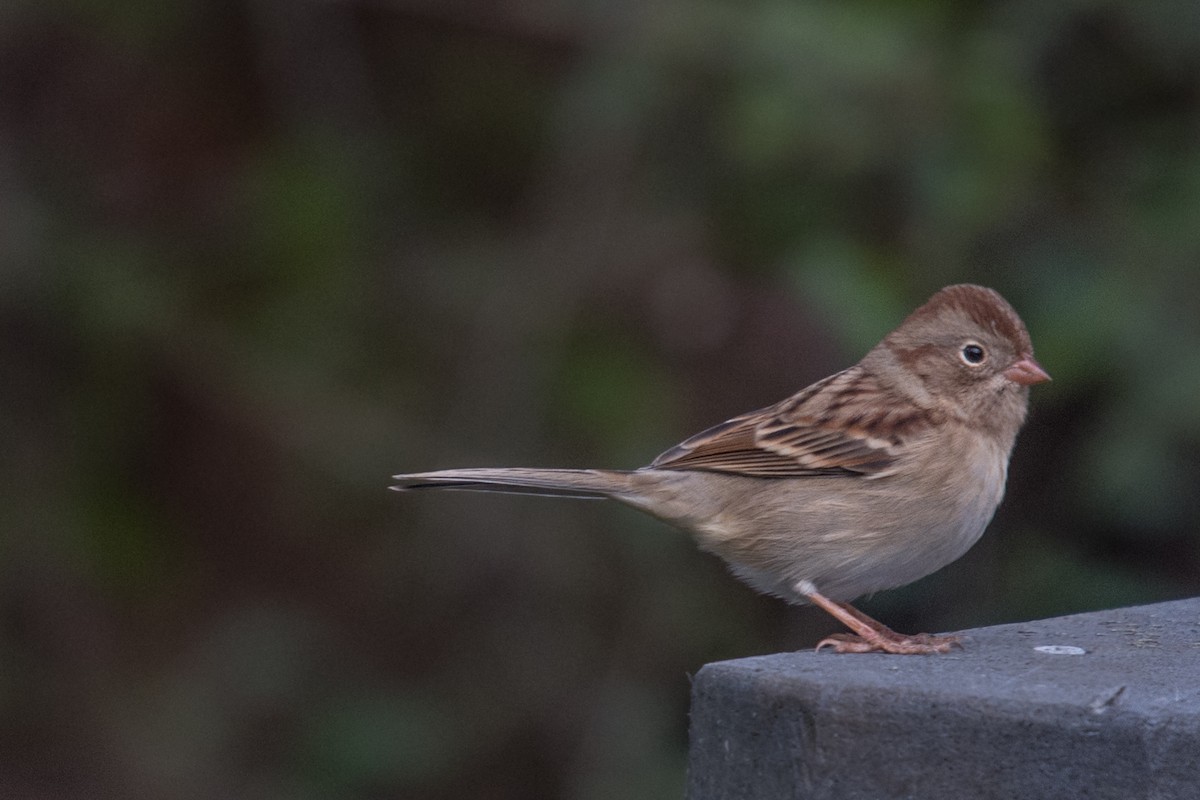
pixel 255 257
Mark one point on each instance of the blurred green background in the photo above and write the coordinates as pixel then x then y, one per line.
pixel 255 257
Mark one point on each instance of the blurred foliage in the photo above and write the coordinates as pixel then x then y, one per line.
pixel 255 257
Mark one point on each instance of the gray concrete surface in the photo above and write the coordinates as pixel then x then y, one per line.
pixel 997 719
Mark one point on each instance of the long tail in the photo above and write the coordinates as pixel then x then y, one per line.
pixel 581 483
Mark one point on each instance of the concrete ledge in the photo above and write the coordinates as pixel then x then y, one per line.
pixel 999 719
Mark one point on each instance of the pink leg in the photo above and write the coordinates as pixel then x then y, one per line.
pixel 871 635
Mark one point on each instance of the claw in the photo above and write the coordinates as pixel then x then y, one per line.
pixel 920 644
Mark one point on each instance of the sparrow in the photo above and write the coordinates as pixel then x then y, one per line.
pixel 867 480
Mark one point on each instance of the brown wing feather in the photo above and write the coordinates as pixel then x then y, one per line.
pixel 834 427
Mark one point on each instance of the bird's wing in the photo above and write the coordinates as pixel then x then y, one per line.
pixel 842 425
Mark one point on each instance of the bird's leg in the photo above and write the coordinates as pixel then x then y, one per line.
pixel 873 623
pixel 870 634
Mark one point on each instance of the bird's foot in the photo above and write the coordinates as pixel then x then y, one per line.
pixel 888 641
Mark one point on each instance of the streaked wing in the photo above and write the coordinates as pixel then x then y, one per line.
pixel 837 426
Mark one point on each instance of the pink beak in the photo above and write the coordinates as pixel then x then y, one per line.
pixel 1026 372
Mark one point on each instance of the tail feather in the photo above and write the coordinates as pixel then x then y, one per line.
pixel 592 484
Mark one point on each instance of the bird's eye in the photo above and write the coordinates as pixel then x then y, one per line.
pixel 973 354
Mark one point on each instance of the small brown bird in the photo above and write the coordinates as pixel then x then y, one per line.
pixel 869 479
